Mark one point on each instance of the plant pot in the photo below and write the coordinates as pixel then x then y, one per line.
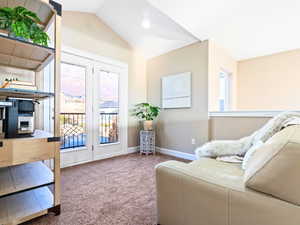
pixel 12 35
pixel 148 125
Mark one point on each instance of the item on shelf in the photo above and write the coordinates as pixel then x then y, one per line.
pixel 23 24
pixel 24 87
pixel 19 119
pixel 15 83
pixel 3 105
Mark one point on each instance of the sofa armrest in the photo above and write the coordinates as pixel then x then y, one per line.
pixel 174 165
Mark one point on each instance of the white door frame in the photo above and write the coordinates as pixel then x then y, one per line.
pixel 84 154
pixel 104 63
pixel 102 151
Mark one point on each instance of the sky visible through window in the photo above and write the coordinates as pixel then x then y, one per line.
pixel 109 91
pixel 73 86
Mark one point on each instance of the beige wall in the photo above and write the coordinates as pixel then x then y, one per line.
pixel 176 127
pixel 220 60
pixel 85 31
pixel 269 82
pixel 232 128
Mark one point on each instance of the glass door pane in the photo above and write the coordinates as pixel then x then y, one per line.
pixel 108 108
pixel 73 101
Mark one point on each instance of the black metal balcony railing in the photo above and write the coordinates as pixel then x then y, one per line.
pixel 108 128
pixel 73 129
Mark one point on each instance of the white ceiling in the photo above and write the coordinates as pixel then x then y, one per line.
pixel 126 17
pixel 90 6
pixel 246 28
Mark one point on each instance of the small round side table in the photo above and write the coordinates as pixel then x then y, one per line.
pixel 147 142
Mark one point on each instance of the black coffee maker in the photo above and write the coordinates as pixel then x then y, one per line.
pixel 19 118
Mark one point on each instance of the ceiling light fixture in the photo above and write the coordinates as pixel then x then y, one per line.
pixel 146 24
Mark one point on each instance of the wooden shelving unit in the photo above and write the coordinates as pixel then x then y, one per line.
pixel 21 207
pixel 24 55
pixel 28 188
pixel 20 93
pixel 21 178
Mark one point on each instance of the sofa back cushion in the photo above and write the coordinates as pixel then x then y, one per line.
pixel 275 168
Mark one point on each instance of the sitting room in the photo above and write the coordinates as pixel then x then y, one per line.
pixel 148 112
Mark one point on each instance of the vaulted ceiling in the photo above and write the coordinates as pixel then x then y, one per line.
pixel 143 26
pixel 247 28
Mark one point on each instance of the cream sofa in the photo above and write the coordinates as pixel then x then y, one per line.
pixel 209 192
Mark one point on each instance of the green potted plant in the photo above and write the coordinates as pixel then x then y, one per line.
pixel 23 24
pixel 147 113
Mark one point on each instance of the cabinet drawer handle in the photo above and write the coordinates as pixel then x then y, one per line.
pixel 53 139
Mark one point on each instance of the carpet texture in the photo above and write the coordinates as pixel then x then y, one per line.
pixel 117 191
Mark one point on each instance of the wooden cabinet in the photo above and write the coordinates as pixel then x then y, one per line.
pixel 5 154
pixel 24 150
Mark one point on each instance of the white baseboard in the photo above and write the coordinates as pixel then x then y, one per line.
pixel 130 150
pixel 175 153
pixel 133 149
pixel 74 164
pixel 114 154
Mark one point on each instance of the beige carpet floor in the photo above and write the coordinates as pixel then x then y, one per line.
pixel 117 191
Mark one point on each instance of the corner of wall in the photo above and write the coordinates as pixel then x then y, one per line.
pixel 220 59
pixel 177 127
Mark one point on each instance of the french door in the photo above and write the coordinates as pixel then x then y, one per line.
pixel 93 109
pixel 109 111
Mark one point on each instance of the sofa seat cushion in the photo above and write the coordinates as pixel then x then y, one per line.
pixel 224 174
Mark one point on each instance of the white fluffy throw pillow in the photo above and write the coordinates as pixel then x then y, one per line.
pixel 250 153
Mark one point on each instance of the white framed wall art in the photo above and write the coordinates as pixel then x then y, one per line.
pixel 177 91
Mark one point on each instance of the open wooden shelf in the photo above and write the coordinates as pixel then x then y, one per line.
pixel 24 206
pixel 21 93
pixel 38 134
pixel 24 177
pixel 44 12
pixel 24 55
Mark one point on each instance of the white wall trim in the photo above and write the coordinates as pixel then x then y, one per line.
pixel 245 113
pixel 132 149
pixel 94 57
pixel 74 164
pixel 135 149
pixel 176 153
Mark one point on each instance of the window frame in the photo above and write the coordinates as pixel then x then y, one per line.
pixel 227 89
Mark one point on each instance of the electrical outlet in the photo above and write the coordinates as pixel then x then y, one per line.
pixel 193 141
